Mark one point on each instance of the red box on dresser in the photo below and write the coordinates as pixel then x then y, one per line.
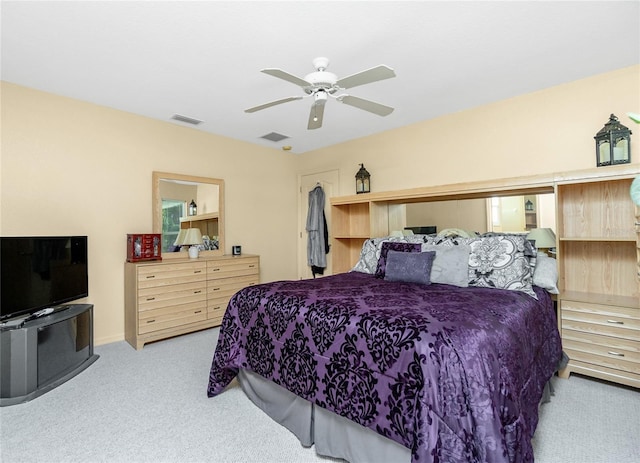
pixel 144 246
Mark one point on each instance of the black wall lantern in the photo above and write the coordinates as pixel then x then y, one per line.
pixel 528 205
pixel 613 143
pixel 363 180
pixel 193 209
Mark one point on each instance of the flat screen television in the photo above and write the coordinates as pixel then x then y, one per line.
pixel 39 272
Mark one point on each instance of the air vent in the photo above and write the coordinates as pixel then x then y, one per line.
pixel 188 120
pixel 273 136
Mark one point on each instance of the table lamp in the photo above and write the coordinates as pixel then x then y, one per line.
pixel 544 238
pixel 192 237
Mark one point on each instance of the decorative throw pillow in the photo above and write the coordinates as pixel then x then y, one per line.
pixel 393 246
pixel 451 264
pixel 500 262
pixel 409 267
pixel 529 249
pixel 370 253
pixel 368 261
pixel 545 274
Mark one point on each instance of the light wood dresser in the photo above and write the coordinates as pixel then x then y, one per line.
pixel 178 296
pixel 598 266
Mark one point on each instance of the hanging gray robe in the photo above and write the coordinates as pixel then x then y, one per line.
pixel 316 230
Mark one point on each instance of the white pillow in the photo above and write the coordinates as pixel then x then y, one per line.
pixel 545 275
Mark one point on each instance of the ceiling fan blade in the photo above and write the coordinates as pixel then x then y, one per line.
pixel 280 74
pixel 367 105
pixel 316 115
pixel 365 77
pixel 272 103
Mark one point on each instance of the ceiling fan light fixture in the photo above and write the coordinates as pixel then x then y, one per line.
pixel 321 84
pixel 320 97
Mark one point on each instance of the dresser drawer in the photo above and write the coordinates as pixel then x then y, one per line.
pixel 170 317
pixel 237 266
pixel 612 343
pixel 153 298
pixel 221 290
pixel 153 276
pixel 620 357
pixel 622 322
pixel 227 287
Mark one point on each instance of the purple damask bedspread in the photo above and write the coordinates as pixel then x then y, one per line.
pixel 453 374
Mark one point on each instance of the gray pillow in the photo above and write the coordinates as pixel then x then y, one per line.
pixel 545 275
pixel 409 267
pixel 451 264
pixel 393 246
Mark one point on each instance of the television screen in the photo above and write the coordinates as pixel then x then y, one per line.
pixel 41 272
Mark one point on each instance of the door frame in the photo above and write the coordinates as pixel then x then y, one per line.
pixel 324 178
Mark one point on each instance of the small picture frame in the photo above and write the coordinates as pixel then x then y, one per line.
pixel 236 250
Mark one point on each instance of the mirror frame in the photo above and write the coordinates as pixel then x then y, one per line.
pixel 157 208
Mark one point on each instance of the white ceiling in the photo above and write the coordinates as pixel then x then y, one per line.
pixel 202 59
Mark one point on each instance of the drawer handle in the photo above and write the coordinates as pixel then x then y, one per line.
pixel 197 271
pixel 150 321
pixel 216 289
pixel 215 269
pixel 617 354
pixel 252 265
pixel 151 299
pixel 150 276
pixel 216 307
pixel 198 291
pixel 198 311
pixel 615 322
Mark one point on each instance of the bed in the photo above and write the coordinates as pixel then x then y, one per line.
pixel 370 366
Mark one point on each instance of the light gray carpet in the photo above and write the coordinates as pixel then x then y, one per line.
pixel 151 406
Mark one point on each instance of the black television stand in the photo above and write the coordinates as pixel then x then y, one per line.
pixel 39 354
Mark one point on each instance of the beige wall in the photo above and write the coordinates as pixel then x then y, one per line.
pixel 60 159
pixel 468 214
pixel 542 132
pixel 70 167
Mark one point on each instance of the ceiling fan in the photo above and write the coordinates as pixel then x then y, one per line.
pixel 322 84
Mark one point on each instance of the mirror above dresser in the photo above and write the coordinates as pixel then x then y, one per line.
pixel 172 196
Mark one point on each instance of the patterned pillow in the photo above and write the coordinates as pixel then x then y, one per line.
pixel 500 262
pixel 367 262
pixel 370 253
pixel 409 267
pixel 393 246
pixel 529 250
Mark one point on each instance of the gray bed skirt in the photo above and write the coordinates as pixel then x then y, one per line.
pixel 332 435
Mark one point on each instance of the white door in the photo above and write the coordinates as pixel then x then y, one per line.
pixel 329 182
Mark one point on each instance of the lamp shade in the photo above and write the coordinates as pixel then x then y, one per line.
pixel 193 236
pixel 180 238
pixel 544 238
